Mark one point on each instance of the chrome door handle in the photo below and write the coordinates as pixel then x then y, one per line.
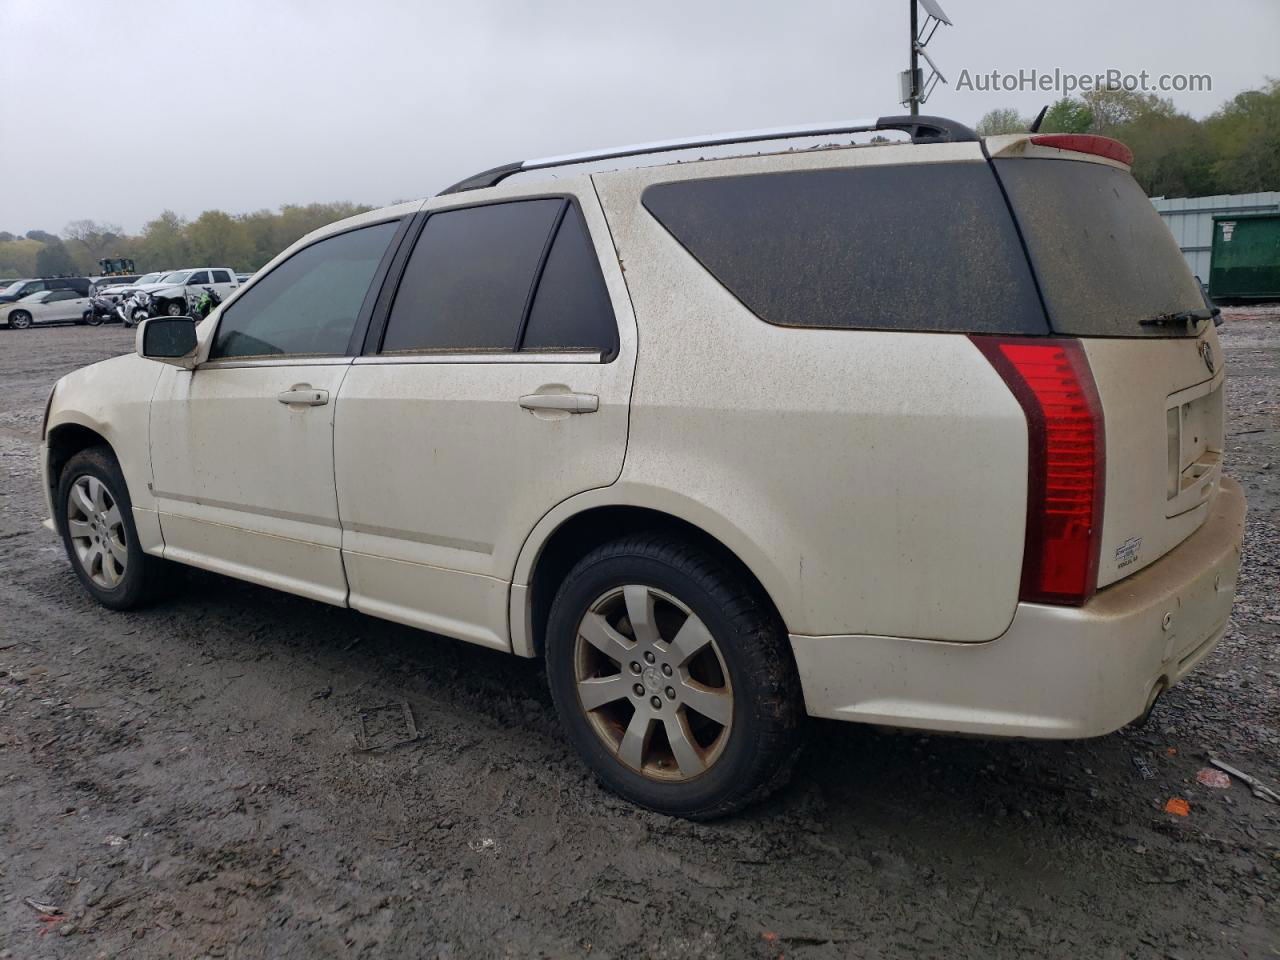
pixel 568 402
pixel 304 395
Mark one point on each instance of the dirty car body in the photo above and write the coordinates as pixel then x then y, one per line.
pixel 897 433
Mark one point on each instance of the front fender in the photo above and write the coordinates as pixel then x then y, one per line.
pixel 113 399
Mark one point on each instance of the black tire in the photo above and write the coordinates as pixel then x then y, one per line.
pixel 92 318
pixel 144 577
pixel 19 320
pixel 174 309
pixel 762 742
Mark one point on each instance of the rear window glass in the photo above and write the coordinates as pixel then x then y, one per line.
pixel 1104 258
pixel 925 246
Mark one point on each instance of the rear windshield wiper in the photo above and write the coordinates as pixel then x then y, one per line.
pixel 1188 318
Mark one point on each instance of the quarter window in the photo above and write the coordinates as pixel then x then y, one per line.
pixel 571 309
pixel 469 277
pixel 308 304
pixel 924 246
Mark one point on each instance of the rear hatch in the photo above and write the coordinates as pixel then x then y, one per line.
pixel 1111 274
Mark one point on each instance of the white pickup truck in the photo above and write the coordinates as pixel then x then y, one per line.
pixel 169 295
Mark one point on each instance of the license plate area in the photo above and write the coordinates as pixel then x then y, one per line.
pixel 1193 423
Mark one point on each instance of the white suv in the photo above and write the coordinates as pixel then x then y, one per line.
pixel 926 434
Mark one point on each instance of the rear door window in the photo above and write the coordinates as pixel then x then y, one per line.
pixel 920 247
pixel 221 276
pixel 468 281
pixel 1104 258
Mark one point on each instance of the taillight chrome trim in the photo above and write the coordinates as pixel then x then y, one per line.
pixel 1059 494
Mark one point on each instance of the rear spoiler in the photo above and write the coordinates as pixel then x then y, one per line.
pixel 1062 146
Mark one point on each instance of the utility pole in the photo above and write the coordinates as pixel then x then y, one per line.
pixel 913 88
pixel 915 60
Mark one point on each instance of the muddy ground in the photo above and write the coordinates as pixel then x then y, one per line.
pixel 183 782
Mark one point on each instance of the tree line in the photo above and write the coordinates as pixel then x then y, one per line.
pixel 1234 150
pixel 243 242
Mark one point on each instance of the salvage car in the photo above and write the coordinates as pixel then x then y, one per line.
pixel 926 434
pixel 19 289
pixel 47 306
pixel 170 295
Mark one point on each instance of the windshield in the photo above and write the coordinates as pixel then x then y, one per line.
pixel 1105 260
pixel 13 287
pixel 150 278
pixel 178 276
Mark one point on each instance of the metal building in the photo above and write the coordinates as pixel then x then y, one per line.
pixel 1191 221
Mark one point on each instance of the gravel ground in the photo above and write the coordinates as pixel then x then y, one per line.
pixel 183 782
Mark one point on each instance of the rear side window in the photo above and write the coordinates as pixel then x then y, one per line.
pixel 1104 258
pixel 469 278
pixel 221 276
pixel 571 309
pixel 309 303
pixel 923 246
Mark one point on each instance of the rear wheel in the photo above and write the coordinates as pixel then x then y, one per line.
pixel 95 516
pixel 19 319
pixel 673 678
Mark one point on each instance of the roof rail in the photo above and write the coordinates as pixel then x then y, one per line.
pixel 921 130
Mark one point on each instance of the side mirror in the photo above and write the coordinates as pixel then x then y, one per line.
pixel 169 340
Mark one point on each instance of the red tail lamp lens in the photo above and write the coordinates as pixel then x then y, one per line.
pixel 1087 143
pixel 1066 464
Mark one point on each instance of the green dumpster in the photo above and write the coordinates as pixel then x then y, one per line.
pixel 1245 263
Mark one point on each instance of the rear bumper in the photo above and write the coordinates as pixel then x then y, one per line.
pixel 1057 672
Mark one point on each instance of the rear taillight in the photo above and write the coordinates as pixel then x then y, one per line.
pixel 1087 143
pixel 1066 464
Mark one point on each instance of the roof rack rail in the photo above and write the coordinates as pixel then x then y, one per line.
pixel 921 130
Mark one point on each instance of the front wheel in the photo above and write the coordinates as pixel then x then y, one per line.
pixel 673 677
pixel 19 319
pixel 98 532
pixel 174 309
pixel 92 318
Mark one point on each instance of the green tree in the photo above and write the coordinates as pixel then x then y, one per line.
pixel 995 122
pixel 163 244
pixel 1067 115
pixel 18 257
pixel 219 240
pixel 1246 137
pixel 53 260
pixel 1115 108
pixel 87 241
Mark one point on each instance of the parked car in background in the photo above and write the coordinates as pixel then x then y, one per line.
pixel 244 278
pixel 99 284
pixel 114 291
pixel 170 294
pixel 47 306
pixel 25 288
pixel 925 434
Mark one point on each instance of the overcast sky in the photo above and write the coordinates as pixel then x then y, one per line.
pixel 117 110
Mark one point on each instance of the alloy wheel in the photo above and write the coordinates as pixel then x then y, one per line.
pixel 20 319
pixel 97 532
pixel 653 683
